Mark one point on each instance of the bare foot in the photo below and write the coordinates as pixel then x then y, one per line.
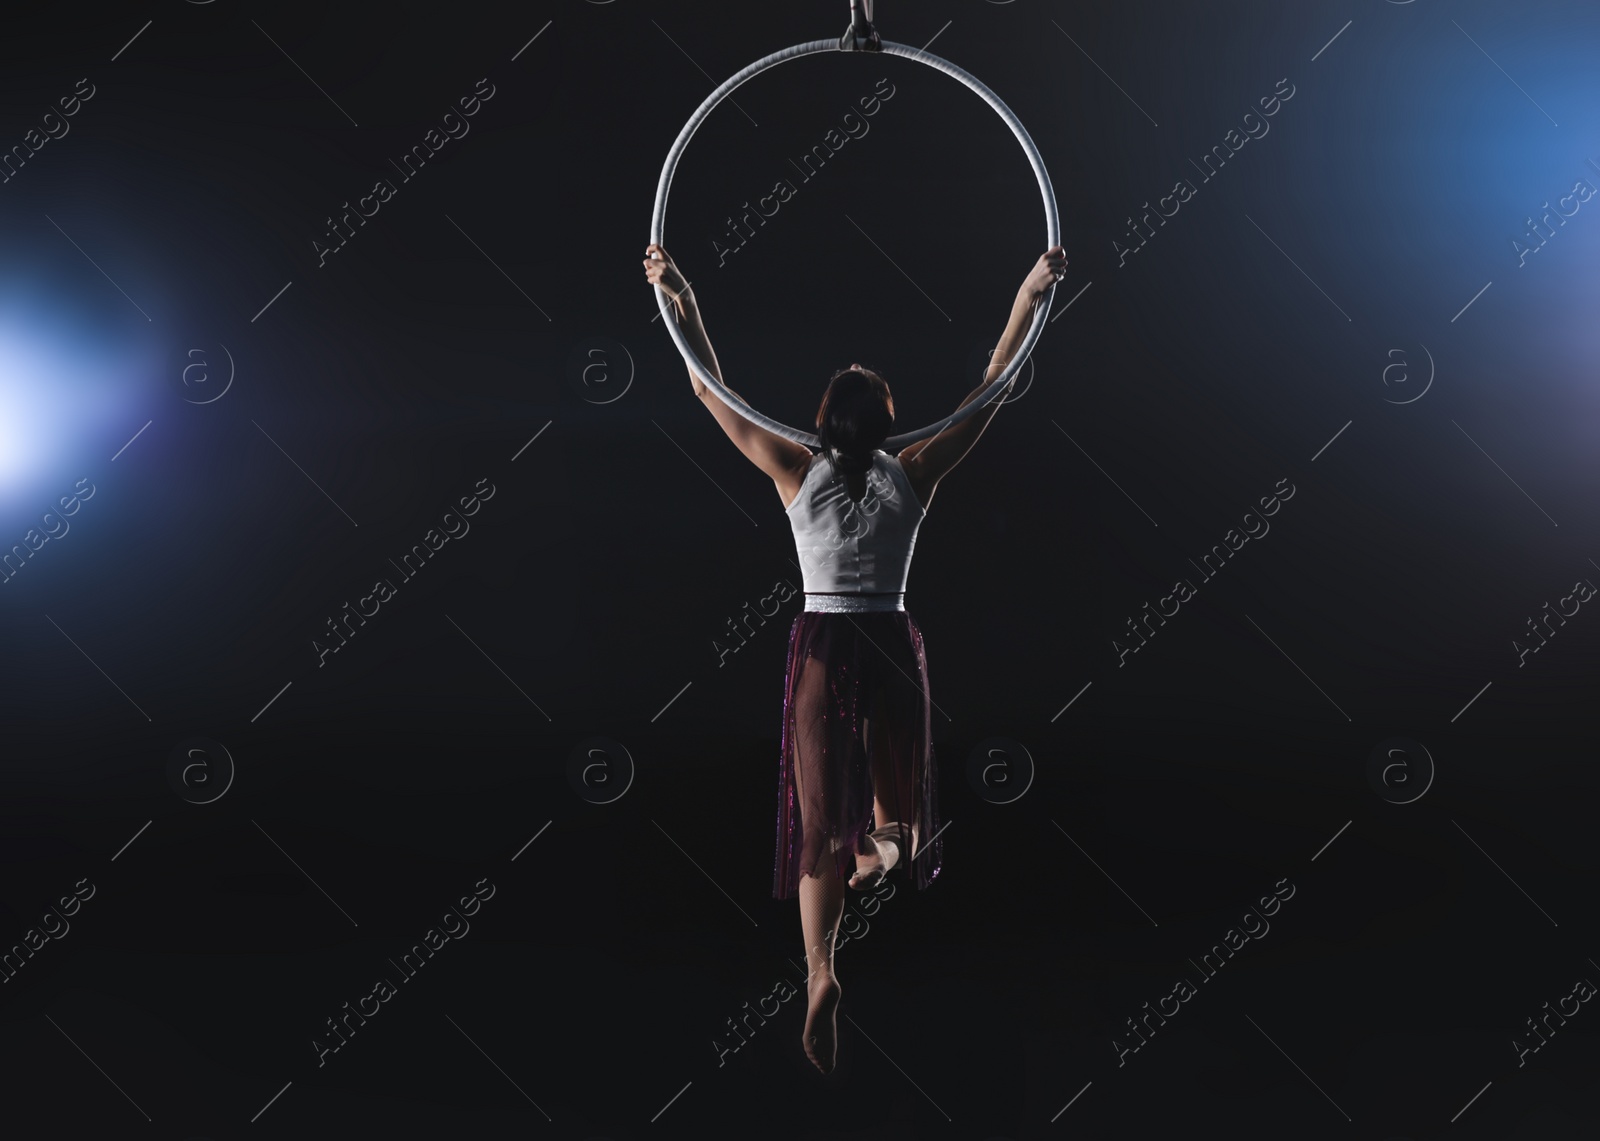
pixel 821 1032
pixel 870 868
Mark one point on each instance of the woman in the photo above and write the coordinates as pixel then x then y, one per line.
pixel 857 789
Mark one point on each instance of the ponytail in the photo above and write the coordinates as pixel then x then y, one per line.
pixel 851 463
pixel 854 419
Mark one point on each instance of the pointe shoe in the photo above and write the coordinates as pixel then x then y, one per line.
pixel 886 838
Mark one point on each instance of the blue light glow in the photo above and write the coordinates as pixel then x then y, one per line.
pixel 67 388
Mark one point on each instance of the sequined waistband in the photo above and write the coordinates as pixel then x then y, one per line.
pixel 854 603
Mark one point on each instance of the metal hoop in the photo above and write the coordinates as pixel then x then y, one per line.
pixel 1046 191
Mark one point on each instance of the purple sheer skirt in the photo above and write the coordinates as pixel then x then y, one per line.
pixel 855 683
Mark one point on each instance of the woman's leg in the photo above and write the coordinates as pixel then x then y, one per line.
pixel 891 794
pixel 891 782
pixel 821 905
pixel 821 890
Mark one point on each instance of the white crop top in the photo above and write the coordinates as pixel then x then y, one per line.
pixel 857 547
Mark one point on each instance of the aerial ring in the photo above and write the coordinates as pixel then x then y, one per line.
pixel 1046 192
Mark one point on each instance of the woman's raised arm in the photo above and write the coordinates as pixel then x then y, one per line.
pixel 928 461
pixel 778 457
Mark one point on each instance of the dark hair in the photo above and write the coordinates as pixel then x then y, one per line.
pixel 854 417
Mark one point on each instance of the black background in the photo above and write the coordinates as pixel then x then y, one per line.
pixel 1229 754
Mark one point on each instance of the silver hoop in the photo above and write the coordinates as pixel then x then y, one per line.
pixel 1046 191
